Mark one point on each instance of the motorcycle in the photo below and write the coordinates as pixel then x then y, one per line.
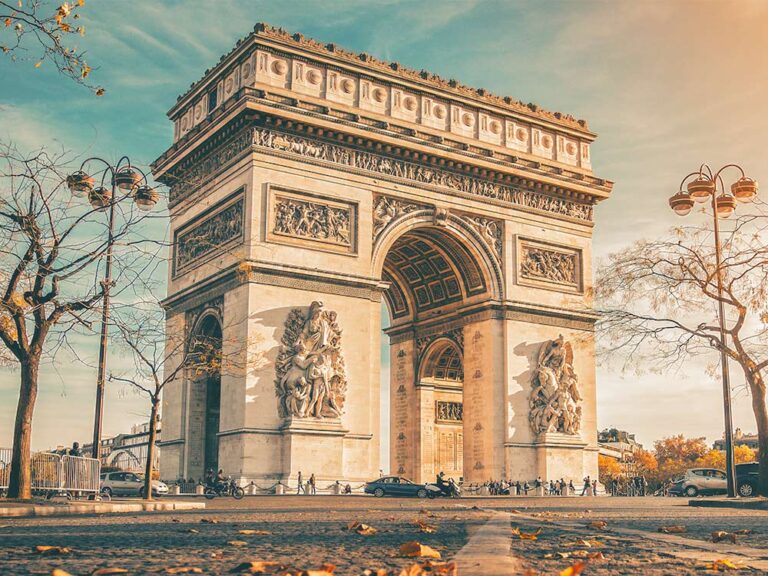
pixel 226 488
pixel 447 490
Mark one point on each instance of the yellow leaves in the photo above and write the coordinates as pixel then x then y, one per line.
pixel 426 528
pixel 7 22
pixel 85 70
pixel 63 10
pixel 526 535
pixel 588 543
pixel 586 554
pixel 254 532
pixel 59 572
pixel 100 91
pixel 64 27
pixel 673 529
pixel 575 569
pixel 416 550
pixel 38 63
pixel 81 3
pixel 108 571
pixel 192 531
pixel 52 550
pixel 718 565
pixel 430 568
pixel 237 543
pixel 362 529
pixel 258 567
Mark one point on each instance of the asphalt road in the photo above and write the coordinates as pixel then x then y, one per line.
pixel 307 531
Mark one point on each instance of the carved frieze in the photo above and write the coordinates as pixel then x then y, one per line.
pixel 423 342
pixel 490 230
pixel 549 265
pixel 555 398
pixel 386 209
pixel 196 174
pixel 449 411
pixel 197 241
pixel 298 217
pixel 311 380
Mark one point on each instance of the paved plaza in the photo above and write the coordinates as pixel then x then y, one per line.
pixel 481 534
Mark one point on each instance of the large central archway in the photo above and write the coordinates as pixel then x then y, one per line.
pixel 435 274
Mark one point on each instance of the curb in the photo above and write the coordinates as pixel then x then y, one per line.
pixel 106 508
pixel 738 503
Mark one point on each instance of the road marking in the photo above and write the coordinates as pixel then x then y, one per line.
pixel 488 551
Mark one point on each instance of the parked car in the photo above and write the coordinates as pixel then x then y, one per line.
pixel 747 478
pixel 128 484
pixel 395 486
pixel 704 481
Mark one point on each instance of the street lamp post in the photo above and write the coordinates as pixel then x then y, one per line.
pixel 703 187
pixel 130 181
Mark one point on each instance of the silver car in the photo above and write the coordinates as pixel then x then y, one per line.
pixel 704 481
pixel 128 484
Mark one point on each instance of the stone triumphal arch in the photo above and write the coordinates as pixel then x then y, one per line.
pixel 308 183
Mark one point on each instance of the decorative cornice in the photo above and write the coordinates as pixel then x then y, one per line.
pixel 393 69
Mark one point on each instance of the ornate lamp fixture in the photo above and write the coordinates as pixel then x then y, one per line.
pixel 125 180
pixel 702 187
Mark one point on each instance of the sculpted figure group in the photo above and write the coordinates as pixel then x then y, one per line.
pixel 311 379
pixel 555 395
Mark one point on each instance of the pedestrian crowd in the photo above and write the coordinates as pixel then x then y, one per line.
pixel 549 487
pixel 629 486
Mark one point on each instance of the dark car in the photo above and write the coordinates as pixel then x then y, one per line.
pixel 746 478
pixel 676 488
pixel 395 486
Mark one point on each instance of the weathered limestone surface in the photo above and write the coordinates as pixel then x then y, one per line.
pixel 307 185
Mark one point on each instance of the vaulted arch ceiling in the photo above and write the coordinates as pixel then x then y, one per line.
pixel 443 363
pixel 428 268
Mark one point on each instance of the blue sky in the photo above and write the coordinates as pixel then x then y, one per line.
pixel 666 85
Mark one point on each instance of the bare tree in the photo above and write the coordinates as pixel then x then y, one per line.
pixel 39 31
pixel 659 299
pixel 51 248
pixel 160 358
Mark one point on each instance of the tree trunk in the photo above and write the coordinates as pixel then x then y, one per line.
pixel 760 408
pixel 150 450
pixel 20 481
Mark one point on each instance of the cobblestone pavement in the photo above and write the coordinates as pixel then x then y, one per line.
pixel 308 531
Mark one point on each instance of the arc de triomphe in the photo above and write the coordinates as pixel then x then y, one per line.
pixel 306 184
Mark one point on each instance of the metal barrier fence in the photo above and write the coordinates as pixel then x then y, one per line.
pixel 56 473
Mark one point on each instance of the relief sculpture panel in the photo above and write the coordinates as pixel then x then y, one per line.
pixel 194 244
pixel 550 266
pixel 315 222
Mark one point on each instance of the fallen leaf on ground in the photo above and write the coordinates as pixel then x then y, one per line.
pixel 526 535
pixel 427 513
pixel 184 570
pixel 720 564
pixel 218 555
pixel 426 528
pixel 52 550
pixel 209 521
pixel 587 543
pixel 598 525
pixel 416 550
pixel 596 555
pixel 673 529
pixel 324 570
pixel 237 543
pixel 743 531
pixel 362 529
pixel 258 567
pixel 249 532
pixel 59 572
pixel 720 535
pixel 192 530
pixel 377 572
pixel 574 569
pixel 108 571
pixel 429 568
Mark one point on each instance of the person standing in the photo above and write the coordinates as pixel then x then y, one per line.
pixel 300 488
pixel 75 450
pixel 312 481
pixel 587 483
